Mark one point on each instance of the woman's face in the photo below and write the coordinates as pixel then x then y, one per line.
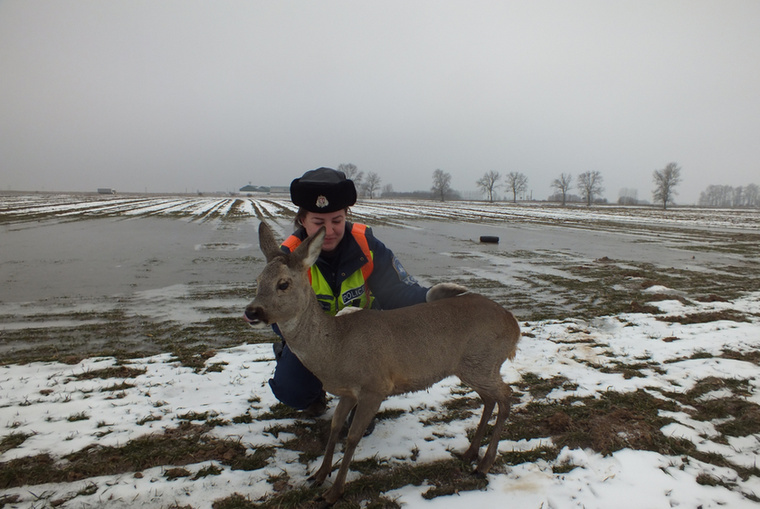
pixel 334 223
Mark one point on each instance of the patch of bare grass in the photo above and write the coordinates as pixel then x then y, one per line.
pixel 705 317
pixel 541 387
pixel 12 441
pixel 445 477
pixel 310 438
pixel 111 372
pixel 606 424
pixel 455 409
pixel 735 414
pixel 186 444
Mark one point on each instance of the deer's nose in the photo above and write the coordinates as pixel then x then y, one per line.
pixel 254 315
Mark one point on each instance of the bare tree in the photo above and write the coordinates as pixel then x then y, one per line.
pixel 371 185
pixel 665 181
pixel 387 190
pixel 628 196
pixel 590 185
pixel 441 184
pixel 488 183
pixel 738 198
pixel 728 196
pixel 752 195
pixel 517 183
pixel 352 173
pixel 716 196
pixel 562 185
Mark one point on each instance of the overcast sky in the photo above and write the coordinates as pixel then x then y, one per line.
pixel 187 95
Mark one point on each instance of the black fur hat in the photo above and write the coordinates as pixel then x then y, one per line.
pixel 323 190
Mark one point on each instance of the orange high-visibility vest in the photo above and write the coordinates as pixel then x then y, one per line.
pixel 354 288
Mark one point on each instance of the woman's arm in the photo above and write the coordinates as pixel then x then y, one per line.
pixel 392 286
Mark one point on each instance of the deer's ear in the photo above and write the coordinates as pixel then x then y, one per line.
pixel 267 242
pixel 309 250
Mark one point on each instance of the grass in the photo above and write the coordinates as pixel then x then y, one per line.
pixel 110 372
pixel 446 477
pixel 12 441
pixel 606 424
pixel 456 409
pixel 706 317
pixel 609 287
pixel 539 387
pixel 735 414
pixel 183 445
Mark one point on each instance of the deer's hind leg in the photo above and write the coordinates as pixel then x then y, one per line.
pixel 505 404
pixel 471 454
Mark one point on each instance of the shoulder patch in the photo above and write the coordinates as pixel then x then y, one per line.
pixel 403 275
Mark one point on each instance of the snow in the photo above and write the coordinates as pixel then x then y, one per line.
pixel 29 207
pixel 627 478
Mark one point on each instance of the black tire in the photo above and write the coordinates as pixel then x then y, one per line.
pixel 489 239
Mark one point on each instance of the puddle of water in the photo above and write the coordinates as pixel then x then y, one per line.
pixel 98 257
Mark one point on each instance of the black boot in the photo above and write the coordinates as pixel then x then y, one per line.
pixel 317 408
pixel 277 346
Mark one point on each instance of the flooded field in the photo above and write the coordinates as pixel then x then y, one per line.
pixel 128 378
pixel 86 275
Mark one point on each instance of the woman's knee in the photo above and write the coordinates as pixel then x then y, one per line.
pixel 293 384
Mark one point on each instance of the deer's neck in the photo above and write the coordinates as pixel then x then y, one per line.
pixel 310 334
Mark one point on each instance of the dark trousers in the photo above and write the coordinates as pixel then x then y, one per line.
pixel 292 383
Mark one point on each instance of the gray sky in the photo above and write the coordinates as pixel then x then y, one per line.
pixel 190 95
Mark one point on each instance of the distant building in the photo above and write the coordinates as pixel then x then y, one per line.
pixel 264 189
pixel 106 190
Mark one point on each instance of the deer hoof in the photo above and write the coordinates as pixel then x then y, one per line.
pixel 314 481
pixel 469 456
pixel 331 496
pixel 321 503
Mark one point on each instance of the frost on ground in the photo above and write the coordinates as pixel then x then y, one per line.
pixel 653 405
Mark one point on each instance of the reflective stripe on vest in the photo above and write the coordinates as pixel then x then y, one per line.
pixel 354 290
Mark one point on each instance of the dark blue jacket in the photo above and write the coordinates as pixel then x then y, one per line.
pixel 389 282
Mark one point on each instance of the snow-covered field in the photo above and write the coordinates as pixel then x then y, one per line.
pixel 24 207
pixel 658 406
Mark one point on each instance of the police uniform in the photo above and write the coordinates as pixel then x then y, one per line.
pixel 360 272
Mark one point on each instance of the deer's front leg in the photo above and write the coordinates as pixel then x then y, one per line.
pixel 366 409
pixel 339 417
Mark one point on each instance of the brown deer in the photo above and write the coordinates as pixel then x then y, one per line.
pixel 366 356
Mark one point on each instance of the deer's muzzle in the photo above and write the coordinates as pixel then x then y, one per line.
pixel 255 316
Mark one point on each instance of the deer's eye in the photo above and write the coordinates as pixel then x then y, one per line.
pixel 283 285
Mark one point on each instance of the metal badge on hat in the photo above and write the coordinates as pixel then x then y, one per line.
pixel 322 201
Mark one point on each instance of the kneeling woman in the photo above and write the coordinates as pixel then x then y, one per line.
pixel 354 269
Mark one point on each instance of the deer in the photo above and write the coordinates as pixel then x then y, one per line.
pixel 366 356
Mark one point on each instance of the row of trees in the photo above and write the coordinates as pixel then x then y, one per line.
pixel 728 196
pixel 368 187
pixel 589 185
